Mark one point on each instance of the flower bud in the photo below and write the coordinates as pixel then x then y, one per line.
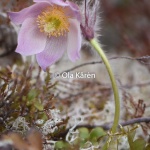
pixel 90 18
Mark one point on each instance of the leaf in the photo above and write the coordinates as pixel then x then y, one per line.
pixel 32 94
pixel 38 105
pixel 60 145
pixel 96 134
pixel 147 147
pixel 139 144
pixel 83 133
pixel 131 136
pixel 105 147
pixel 83 136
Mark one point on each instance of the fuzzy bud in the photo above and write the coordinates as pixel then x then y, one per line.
pixel 90 19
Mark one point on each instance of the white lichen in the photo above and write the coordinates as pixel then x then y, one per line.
pixel 50 125
pixel 20 123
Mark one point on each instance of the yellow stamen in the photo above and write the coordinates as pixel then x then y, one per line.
pixel 53 21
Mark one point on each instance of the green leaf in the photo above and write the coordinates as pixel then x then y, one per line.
pixel 83 136
pixel 95 134
pixel 38 105
pixel 131 136
pixel 43 116
pixel 105 147
pixel 139 144
pixel 83 133
pixel 60 145
pixel 32 94
pixel 147 147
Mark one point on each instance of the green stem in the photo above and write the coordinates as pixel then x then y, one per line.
pixel 95 44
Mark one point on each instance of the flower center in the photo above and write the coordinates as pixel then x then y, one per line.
pixel 53 21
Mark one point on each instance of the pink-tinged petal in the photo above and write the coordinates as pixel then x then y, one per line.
pixel 53 51
pixel 30 39
pixel 74 40
pixel 73 11
pixel 29 12
pixel 57 2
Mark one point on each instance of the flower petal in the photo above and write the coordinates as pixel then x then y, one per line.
pixel 73 11
pixel 53 51
pixel 71 8
pixel 30 39
pixel 74 40
pixel 29 12
pixel 57 2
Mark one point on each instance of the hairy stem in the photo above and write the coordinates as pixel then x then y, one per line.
pixel 97 47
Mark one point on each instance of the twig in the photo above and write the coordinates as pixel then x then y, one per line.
pixel 140 59
pixel 130 122
pixel 136 120
pixel 108 125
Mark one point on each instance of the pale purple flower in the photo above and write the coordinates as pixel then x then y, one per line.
pixel 90 19
pixel 49 27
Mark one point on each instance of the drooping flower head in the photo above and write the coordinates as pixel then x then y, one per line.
pixel 49 27
pixel 90 18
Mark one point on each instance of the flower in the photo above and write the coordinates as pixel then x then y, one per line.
pixel 90 19
pixel 49 27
